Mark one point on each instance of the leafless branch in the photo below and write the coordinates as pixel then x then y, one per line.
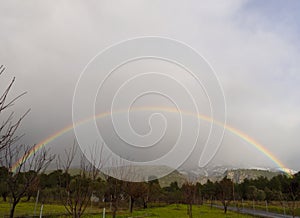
pixel 9 127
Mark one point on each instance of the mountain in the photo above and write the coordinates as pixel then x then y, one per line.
pixel 217 173
pixel 212 173
pixel 175 176
pixel 239 175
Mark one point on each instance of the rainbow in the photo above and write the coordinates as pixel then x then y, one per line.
pixel 227 127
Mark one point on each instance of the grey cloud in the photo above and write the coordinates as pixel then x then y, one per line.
pixel 47 45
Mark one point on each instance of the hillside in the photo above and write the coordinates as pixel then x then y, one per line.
pixel 239 175
pixel 200 175
pixel 218 173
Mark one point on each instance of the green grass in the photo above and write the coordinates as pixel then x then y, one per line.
pixel 27 208
pixel 179 211
pixel 275 206
pixel 170 211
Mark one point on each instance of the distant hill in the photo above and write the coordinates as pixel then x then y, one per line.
pixel 213 174
pixel 172 177
pixel 236 175
pixel 239 175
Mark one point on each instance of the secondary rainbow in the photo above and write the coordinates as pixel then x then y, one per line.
pixel 227 127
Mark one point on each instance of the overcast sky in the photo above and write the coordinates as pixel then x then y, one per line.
pixel 252 45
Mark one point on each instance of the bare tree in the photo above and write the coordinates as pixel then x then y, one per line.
pixel 225 192
pixel 135 190
pixel 119 177
pixel 25 163
pixel 115 183
pixel 8 125
pixel 153 191
pixel 189 192
pixel 290 194
pixel 79 188
pixel 114 193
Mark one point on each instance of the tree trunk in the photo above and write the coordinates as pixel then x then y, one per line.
pixel 114 208
pixel 12 209
pixel 114 211
pixel 225 208
pixel 145 204
pixel 190 211
pixel 131 201
pixel 187 210
pixel 76 215
pixel 294 208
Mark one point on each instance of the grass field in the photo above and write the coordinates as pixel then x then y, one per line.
pixel 275 206
pixel 170 211
pixel 179 211
pixel 27 209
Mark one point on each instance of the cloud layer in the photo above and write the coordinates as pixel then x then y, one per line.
pixel 254 51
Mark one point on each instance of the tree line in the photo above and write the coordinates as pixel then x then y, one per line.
pixel 77 191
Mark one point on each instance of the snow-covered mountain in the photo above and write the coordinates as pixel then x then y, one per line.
pixel 216 173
